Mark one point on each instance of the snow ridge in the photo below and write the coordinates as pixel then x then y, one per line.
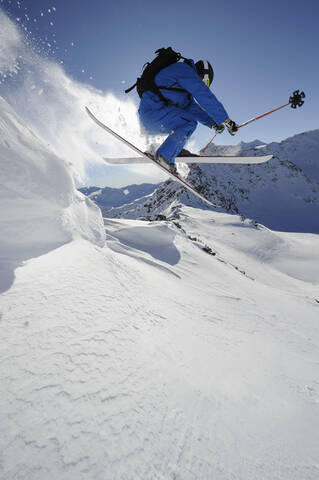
pixel 40 207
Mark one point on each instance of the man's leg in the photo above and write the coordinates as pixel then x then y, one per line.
pixel 176 140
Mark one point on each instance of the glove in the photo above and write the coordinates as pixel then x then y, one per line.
pixel 231 126
pixel 218 128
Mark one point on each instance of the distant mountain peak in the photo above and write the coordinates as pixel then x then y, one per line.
pixel 253 144
pixel 283 193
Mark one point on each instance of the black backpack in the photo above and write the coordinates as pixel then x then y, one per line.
pixel 165 57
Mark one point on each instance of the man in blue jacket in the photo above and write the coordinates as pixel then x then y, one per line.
pixel 188 100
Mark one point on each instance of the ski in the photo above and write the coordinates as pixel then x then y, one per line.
pixel 138 151
pixel 224 159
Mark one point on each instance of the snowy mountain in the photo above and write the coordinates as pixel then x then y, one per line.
pixel 108 198
pixel 282 194
pixel 184 349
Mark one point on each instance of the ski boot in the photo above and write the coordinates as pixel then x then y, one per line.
pixel 186 153
pixel 163 161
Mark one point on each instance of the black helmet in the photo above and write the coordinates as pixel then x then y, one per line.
pixel 205 71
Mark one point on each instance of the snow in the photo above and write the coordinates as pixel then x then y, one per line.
pixel 147 357
pixel 283 193
pixel 108 199
pixel 127 365
pixel 51 107
pixel 9 37
pixel 40 207
pixel 157 241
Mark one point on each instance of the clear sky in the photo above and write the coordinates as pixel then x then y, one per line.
pixel 260 50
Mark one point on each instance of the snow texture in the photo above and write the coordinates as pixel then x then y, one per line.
pixel 181 349
pixel 40 207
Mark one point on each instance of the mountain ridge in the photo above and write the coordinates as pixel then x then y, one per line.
pixel 282 193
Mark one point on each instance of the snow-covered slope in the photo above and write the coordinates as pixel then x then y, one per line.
pixel 183 349
pixel 40 207
pixel 282 193
pixel 186 350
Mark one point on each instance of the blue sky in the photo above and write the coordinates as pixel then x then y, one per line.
pixel 261 51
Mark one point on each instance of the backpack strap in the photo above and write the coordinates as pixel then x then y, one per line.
pixel 128 90
pixel 172 88
pixel 170 102
pixel 146 81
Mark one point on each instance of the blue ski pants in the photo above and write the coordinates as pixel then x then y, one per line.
pixel 172 120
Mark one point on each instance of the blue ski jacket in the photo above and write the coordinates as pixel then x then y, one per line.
pixel 197 101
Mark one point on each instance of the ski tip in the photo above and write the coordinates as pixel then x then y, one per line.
pixel 88 111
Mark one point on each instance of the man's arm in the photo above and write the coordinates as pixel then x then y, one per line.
pixel 189 79
pixel 199 114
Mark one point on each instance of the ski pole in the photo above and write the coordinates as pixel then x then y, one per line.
pixel 294 101
pixel 203 150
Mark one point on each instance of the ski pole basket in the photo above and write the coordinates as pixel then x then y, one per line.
pixel 296 99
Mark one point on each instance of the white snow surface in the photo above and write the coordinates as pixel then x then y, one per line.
pixel 181 349
pixel 40 207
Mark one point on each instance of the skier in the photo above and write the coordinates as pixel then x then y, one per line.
pixel 188 100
